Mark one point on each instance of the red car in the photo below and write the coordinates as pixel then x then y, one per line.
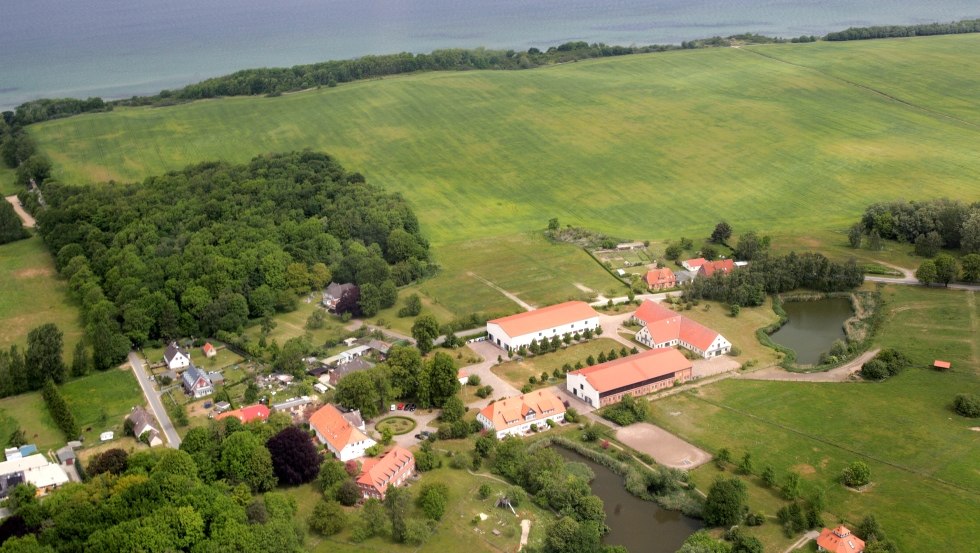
pixel 401 406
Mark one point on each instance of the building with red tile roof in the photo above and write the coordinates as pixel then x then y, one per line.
pixel 664 328
pixel 516 415
pixel 257 412
pixel 636 375
pixel 521 329
pixel 661 279
pixel 711 267
pixel 209 350
pixel 391 469
pixel 343 440
pixel 942 365
pixel 839 540
pixel 693 264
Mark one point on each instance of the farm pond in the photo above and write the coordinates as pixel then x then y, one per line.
pixel 634 523
pixel 812 327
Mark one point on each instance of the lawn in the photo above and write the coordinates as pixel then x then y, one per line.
pixel 293 324
pixel 99 401
pixel 916 446
pixel 31 294
pixel 641 147
pixel 740 331
pixel 397 425
pixel 8 184
pixel 518 372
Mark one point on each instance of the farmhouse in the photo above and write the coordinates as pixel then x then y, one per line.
pixel 257 412
pixel 333 293
pixel 711 267
pixel 392 469
pixel 176 357
pixel 661 279
pixel 342 439
pixel 196 383
pixel 636 375
pixel 663 328
pixel 143 423
pixel 542 324
pixel 516 415
pixel 839 540
pixel 693 264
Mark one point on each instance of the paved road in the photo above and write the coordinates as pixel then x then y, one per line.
pixel 24 216
pixel 153 398
pixel 501 388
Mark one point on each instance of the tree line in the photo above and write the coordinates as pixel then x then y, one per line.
pixel 11 227
pixel 206 249
pixel 771 274
pixel 896 31
pixel 930 225
pixel 42 360
pixel 18 151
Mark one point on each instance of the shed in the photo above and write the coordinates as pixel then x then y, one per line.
pixel 941 365
pixel 66 456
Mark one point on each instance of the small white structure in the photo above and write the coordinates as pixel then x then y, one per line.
pixel 176 357
pixel 516 415
pixel 693 264
pixel 320 388
pixel 342 439
pixel 462 377
pixel 107 436
pixel 519 330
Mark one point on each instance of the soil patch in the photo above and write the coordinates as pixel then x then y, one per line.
pixel 804 469
pixel 34 272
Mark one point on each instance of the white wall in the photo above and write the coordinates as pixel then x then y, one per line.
pixel 578 386
pixel 179 361
pixel 502 339
pixel 520 430
pixel 350 451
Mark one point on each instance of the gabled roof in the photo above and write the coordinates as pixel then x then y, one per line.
pixel 334 428
pixel 248 414
pixel 660 276
pixel 377 473
pixel 634 369
pixel 172 350
pixel 141 419
pixel 664 325
pixel 354 365
pixel 694 263
pixel 191 376
pixel 208 348
pixel 840 540
pixel 379 346
pixel 292 402
pixel 335 290
pixel 723 265
pixel 510 412
pixel 545 318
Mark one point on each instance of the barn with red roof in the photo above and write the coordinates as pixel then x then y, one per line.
pixel 635 375
pixel 664 328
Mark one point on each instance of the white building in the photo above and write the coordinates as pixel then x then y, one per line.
pixel 519 330
pixel 343 439
pixel 664 328
pixel 516 415
pixel 635 375
pixel 176 357
pixel 33 469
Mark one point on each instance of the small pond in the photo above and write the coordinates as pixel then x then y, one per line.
pixel 640 526
pixel 812 327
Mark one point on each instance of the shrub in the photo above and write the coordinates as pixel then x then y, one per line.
pixel 348 493
pixel 473 380
pixel 327 518
pixel 967 405
pixel 484 491
pixel 433 499
pixel 755 519
pixel 525 389
pixel 571 415
pixel 856 474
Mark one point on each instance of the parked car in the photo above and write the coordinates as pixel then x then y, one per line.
pixel 392 407
pixel 401 406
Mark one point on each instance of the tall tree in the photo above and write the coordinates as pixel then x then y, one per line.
pixel 245 460
pixel 855 234
pixel 44 355
pixel 404 366
pixel 294 458
pixel 11 227
pixel 398 504
pixel 971 267
pixel 80 361
pixel 442 378
pixel 359 391
pixel 926 273
pixel 425 330
pixel 722 232
pixel 946 268
pixel 725 504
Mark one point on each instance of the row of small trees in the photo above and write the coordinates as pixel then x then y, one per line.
pixel 59 410
pixel 945 269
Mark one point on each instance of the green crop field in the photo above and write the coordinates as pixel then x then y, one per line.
pixel 922 455
pixel 31 294
pixel 647 146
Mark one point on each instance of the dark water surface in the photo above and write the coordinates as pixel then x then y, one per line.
pixel 118 48
pixel 813 326
pixel 640 526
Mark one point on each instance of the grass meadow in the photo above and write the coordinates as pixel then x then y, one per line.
pixel 922 455
pixel 31 294
pixel 518 372
pixel 648 146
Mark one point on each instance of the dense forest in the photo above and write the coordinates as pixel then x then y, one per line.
pixel 930 225
pixel 205 249
pixel 775 274
pixel 896 31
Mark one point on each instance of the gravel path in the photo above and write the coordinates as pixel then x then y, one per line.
pixel 524 305
pixel 840 374
pixel 29 221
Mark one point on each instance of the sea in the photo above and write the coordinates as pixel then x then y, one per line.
pixel 121 48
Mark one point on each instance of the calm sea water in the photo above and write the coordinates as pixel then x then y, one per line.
pixel 118 48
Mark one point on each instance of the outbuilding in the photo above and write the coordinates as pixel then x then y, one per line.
pixel 636 375
pixel 519 330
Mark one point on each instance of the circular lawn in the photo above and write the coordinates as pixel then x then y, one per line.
pixel 397 425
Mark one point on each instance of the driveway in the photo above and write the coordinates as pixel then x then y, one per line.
pixel 716 365
pixel 153 398
pixel 501 388
pixel 611 325
pixel 422 419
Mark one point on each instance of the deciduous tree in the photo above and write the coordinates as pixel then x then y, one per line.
pixel 425 330
pixel 725 504
pixel 946 268
pixel 294 458
pixel 722 232
pixel 44 355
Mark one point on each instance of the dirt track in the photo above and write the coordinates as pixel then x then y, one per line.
pixel 24 216
pixel 840 374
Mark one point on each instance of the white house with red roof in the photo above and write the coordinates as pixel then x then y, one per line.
pixel 257 412
pixel 209 350
pixel 664 328
pixel 693 264
pixel 391 469
pixel 516 415
pixel 661 279
pixel 636 375
pixel 711 267
pixel 521 329
pixel 343 440
pixel 839 540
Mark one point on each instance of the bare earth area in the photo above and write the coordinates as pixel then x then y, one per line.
pixel 840 374
pixel 665 448
pixel 29 221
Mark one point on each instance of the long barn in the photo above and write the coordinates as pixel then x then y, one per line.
pixel 636 375
pixel 571 317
